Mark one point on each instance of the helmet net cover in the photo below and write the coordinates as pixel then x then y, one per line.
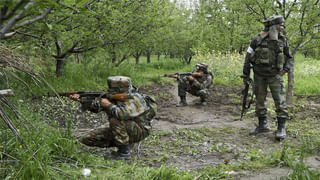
pixel 202 66
pixel 273 20
pixel 119 84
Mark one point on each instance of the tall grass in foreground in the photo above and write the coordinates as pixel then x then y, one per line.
pixel 307 75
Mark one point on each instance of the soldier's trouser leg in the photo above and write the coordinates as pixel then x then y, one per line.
pixel 101 137
pixel 182 92
pixel 260 90
pixel 183 86
pixel 278 90
pixel 127 132
pixel 204 93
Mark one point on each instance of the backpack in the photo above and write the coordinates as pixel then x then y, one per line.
pixel 153 107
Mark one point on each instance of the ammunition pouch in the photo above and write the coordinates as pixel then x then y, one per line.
pixel 269 53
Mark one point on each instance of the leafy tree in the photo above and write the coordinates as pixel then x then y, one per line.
pixel 15 15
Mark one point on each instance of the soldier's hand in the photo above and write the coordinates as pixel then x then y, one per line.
pixel 75 97
pixel 190 78
pixel 282 72
pixel 105 102
pixel 245 80
pixel 175 76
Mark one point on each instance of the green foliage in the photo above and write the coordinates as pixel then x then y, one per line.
pixel 307 75
pixel 226 68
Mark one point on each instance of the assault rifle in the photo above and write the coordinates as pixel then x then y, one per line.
pixel 94 94
pixel 178 75
pixel 245 93
pixel 87 97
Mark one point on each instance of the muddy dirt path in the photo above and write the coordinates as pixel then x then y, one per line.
pixel 171 117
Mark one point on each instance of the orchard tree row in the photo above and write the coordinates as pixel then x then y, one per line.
pixel 56 29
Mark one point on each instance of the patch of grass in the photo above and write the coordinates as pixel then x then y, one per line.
pixel 307 75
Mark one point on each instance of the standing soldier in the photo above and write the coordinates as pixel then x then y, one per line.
pixel 129 120
pixel 197 85
pixel 270 57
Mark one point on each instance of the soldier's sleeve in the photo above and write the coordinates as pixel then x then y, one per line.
pixel 249 54
pixel 207 83
pixel 197 84
pixel 130 109
pixel 288 58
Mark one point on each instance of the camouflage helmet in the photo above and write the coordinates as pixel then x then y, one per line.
pixel 119 84
pixel 273 20
pixel 202 66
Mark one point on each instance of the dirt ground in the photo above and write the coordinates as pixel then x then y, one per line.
pixel 194 137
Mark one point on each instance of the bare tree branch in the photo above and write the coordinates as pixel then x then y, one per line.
pixel 252 9
pixel 5 8
pixel 27 34
pixel 290 9
pixel 300 45
pixel 14 20
pixel 6 92
pixel 35 19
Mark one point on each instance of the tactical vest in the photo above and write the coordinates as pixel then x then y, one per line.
pixel 269 53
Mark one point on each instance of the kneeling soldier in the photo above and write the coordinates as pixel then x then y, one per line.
pixel 128 119
pixel 195 85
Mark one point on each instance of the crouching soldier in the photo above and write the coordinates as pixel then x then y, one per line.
pixel 195 84
pixel 129 118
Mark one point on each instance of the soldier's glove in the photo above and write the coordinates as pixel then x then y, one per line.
pixel 75 97
pixel 190 78
pixel 105 102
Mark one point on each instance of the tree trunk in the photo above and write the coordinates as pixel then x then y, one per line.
pixel 148 57
pixel 77 58
pixel 190 58
pixel 137 56
pixel 289 97
pixel 113 54
pixel 159 54
pixel 171 55
pixel 59 67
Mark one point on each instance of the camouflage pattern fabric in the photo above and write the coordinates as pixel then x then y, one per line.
pixel 127 124
pixel 268 74
pixel 119 133
pixel 199 87
pixel 277 88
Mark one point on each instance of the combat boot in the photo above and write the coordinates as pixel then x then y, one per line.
pixel 183 101
pixel 263 126
pixel 281 131
pixel 203 102
pixel 122 153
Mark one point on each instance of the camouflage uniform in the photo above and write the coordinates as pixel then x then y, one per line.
pixel 127 124
pixel 199 87
pixel 268 58
pixel 129 120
